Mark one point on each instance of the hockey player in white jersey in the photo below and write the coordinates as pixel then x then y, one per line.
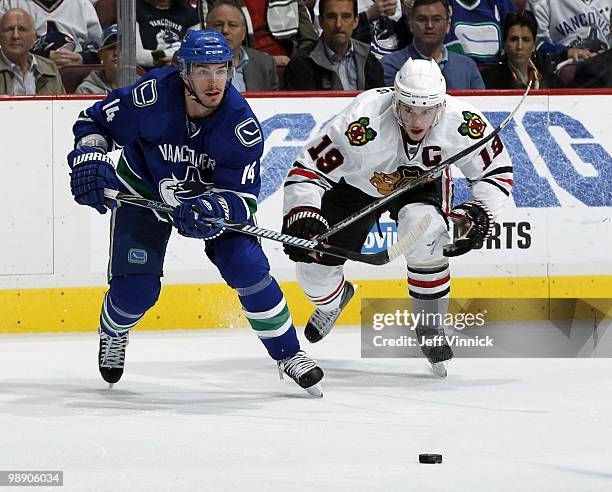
pixel 385 138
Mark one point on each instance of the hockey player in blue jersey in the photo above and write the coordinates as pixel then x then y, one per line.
pixel 188 138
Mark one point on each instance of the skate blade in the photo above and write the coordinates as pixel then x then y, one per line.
pixel 439 369
pixel 315 390
pixel 110 386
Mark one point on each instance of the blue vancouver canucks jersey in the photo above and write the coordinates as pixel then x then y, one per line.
pixel 166 155
pixel 476 28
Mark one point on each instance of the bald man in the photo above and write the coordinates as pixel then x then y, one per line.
pixel 21 72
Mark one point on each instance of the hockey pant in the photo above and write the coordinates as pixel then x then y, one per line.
pixel 138 247
pixel 428 269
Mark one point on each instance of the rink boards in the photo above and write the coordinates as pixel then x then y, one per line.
pixel 553 239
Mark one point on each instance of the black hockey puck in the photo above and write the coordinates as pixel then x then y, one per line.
pixel 430 458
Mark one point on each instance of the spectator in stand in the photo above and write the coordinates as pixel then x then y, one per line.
pixel 253 70
pixel 429 23
pixel 279 27
pixel 380 25
pixel 105 80
pixel 21 72
pixel 517 67
pixel 337 62
pixel 596 72
pixel 161 26
pixel 68 29
pixel 572 29
pixel 476 28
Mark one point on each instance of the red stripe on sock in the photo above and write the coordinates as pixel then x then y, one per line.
pixel 430 283
pixel 332 295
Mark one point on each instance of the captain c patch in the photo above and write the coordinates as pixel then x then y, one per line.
pixel 473 127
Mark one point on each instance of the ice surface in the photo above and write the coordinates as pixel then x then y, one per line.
pixel 205 410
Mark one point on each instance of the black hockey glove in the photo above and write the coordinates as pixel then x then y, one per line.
pixel 304 222
pixel 473 223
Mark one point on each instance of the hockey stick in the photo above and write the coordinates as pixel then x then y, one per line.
pixel 423 178
pixel 380 258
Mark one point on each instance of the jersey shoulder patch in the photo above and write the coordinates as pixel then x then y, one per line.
pixel 473 125
pixel 145 94
pixel 359 133
pixel 248 132
pixel 360 120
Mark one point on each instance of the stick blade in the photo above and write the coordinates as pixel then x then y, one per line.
pixel 410 239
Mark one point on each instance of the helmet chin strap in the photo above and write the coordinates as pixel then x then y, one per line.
pixel 192 93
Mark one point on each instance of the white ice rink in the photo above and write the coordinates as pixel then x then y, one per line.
pixel 205 410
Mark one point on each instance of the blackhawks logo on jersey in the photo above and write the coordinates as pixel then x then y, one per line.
pixel 473 127
pixel 386 183
pixel 358 132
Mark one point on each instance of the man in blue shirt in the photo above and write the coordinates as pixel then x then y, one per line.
pixel 429 23
pixel 190 140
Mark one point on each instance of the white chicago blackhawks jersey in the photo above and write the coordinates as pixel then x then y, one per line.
pixel 364 146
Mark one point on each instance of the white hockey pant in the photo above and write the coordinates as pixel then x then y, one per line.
pixel 428 271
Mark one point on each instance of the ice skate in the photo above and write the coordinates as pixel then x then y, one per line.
pixel 439 353
pixel 111 356
pixel 304 371
pixel 439 369
pixel 321 322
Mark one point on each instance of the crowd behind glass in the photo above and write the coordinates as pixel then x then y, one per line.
pixel 71 46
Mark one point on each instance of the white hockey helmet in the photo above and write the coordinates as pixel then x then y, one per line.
pixel 419 84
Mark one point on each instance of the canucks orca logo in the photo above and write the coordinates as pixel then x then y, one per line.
pixel 174 191
pixel 53 39
pixel 473 127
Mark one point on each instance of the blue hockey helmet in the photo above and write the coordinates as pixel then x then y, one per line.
pixel 206 46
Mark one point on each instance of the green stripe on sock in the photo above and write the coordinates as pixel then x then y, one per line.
pixel 272 323
pixel 111 324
